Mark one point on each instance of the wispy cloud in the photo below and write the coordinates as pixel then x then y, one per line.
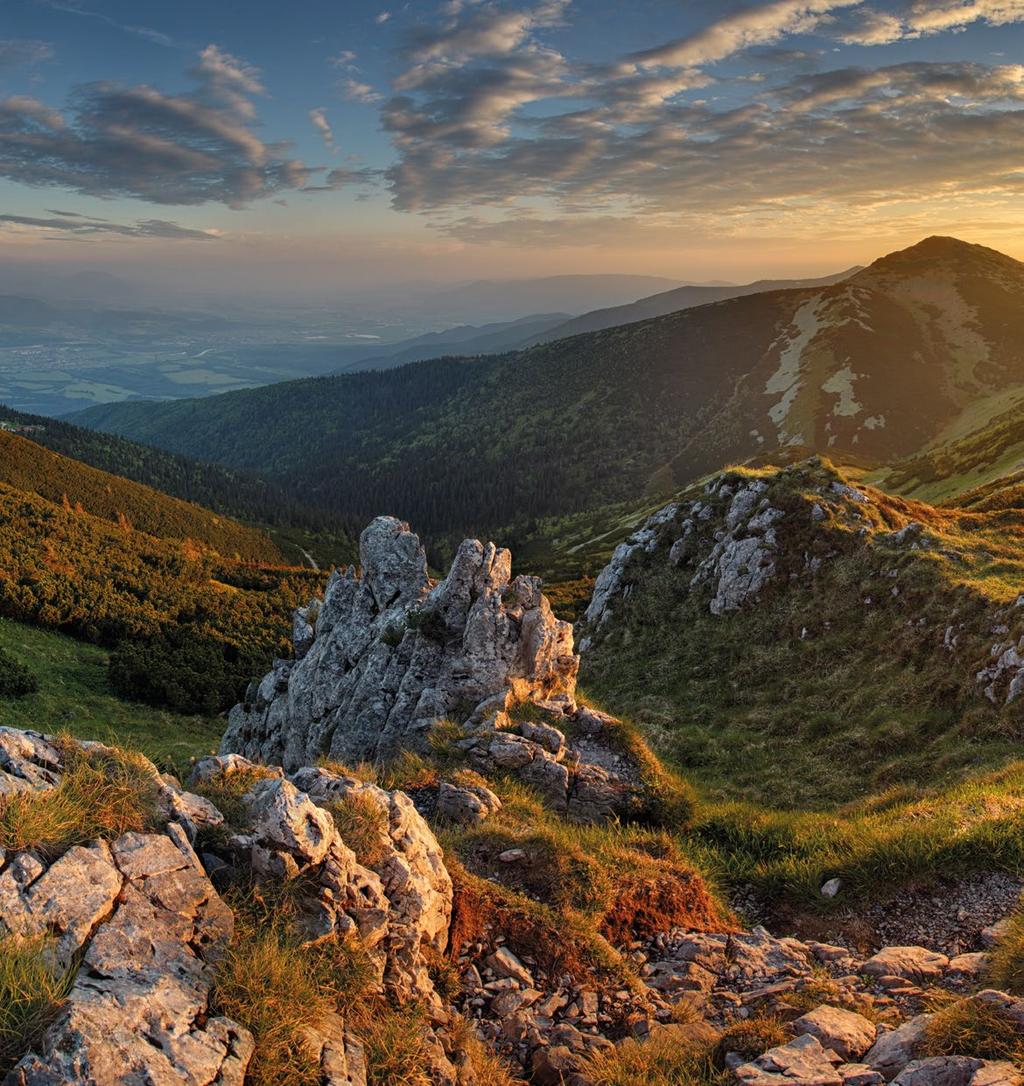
pixel 318 118
pixel 761 24
pixel 357 91
pixel 919 18
pixel 23 52
pixel 70 223
pixel 73 7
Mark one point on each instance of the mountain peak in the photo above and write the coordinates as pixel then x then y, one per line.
pixel 941 249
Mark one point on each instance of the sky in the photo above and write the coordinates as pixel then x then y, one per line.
pixel 353 143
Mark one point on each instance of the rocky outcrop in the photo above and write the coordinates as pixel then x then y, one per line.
pixel 725 541
pixel 138 921
pixel 141 924
pixel 392 652
pixel 399 903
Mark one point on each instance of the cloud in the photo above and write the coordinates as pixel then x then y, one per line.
pixel 382 18
pixel 356 91
pixel 919 18
pixel 23 52
pixel 344 177
pixel 758 25
pixel 74 7
pixel 933 16
pixel 116 140
pixel 501 138
pixel 872 28
pixel 318 117
pixel 68 222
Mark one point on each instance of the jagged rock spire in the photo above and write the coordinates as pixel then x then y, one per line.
pixel 389 652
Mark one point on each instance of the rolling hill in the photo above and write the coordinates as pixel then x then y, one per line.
pixel 802 638
pixel 27 466
pixel 873 368
pixel 296 526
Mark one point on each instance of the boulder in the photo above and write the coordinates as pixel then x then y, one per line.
pixel 913 963
pixel 848 1034
pixel 466 805
pixel 802 1062
pixel 894 1050
pixel 959 1071
pixel 138 1008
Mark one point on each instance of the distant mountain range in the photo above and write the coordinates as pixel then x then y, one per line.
pixel 545 327
pixel 671 301
pixel 874 367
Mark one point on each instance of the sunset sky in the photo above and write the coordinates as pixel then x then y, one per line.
pixel 361 141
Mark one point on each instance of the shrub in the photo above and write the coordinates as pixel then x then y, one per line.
pixel 31 991
pixel 15 679
pixel 185 670
pixel 102 793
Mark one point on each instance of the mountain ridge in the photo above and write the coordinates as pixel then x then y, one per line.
pixel 874 367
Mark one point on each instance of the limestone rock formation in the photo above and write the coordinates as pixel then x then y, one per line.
pixel 143 919
pixel 393 652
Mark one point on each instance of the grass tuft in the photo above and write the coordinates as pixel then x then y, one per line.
pixel 31 993
pixel 751 1038
pixel 363 826
pixel 972 1027
pixel 103 793
pixel 667 1058
pixel 1006 962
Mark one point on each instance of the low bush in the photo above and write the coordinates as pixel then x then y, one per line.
pixel 16 681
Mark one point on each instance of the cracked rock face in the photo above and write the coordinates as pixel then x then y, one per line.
pixel 392 652
pixel 147 925
pixel 400 904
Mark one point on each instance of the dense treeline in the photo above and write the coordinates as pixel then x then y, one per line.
pixel 28 466
pixel 225 490
pixel 167 607
pixel 456 445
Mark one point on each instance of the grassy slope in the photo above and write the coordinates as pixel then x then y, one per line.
pixel 74 696
pixel 31 467
pixel 812 696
